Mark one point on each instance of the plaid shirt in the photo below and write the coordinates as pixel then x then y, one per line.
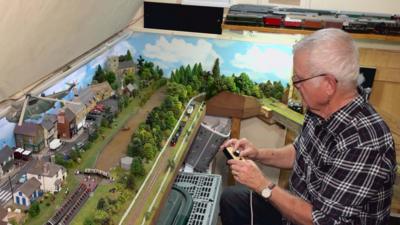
pixel 345 166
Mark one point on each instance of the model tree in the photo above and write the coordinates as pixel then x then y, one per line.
pixel 129 79
pixel 244 84
pixel 135 148
pixel 149 151
pixel 34 209
pixel 99 75
pixel 126 57
pixel 109 76
pixel 215 69
pixel 137 168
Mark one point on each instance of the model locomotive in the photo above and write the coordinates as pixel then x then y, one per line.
pixel 272 16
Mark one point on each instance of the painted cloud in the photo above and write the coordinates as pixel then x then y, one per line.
pixel 178 51
pixel 265 61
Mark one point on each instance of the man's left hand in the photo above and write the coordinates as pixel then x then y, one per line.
pixel 246 172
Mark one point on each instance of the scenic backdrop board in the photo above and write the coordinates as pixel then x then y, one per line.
pixel 260 61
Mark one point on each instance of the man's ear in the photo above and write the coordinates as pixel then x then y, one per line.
pixel 331 85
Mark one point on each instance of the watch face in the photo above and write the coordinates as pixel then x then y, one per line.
pixel 266 193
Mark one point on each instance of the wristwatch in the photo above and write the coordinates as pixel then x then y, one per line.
pixel 266 193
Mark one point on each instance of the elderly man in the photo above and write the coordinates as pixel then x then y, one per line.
pixel 343 160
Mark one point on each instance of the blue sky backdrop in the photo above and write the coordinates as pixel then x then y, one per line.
pixel 261 61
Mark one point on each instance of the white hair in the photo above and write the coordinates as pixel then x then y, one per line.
pixel 332 51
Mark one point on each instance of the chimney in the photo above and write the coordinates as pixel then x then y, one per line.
pixel 46 168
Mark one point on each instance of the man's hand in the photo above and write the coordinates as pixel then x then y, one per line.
pixel 246 148
pixel 247 173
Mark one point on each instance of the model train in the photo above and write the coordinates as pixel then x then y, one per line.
pixel 271 16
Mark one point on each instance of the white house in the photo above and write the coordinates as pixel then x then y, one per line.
pixel 48 174
pixel 27 193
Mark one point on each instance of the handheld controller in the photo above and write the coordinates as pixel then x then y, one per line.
pixel 230 153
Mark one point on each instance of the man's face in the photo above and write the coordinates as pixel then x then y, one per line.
pixel 308 84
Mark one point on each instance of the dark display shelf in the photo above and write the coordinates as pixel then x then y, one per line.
pixel 379 37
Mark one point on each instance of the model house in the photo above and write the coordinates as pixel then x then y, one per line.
pixel 79 111
pixel 49 124
pixel 131 90
pixel 126 67
pixel 50 175
pixel 112 64
pixel 29 136
pixel 6 160
pixel 27 192
pixel 66 123
pixel 120 68
pixel 102 91
pixel 87 98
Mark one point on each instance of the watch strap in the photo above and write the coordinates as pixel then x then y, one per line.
pixel 271 186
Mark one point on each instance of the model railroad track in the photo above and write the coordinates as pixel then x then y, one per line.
pixel 69 209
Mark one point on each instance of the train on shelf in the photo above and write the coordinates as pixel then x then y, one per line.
pixel 273 16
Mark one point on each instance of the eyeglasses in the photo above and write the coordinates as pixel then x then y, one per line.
pixel 296 82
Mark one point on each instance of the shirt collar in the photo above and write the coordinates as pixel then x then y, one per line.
pixel 341 118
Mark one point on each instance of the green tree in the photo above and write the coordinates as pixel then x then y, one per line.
pixel 278 89
pixel 177 90
pixel 102 217
pixel 34 209
pixel 168 103
pixel 128 55
pixel 153 117
pixel 94 135
pixel 137 167
pixel 135 148
pixel 59 158
pixel 74 154
pixel 102 204
pixel 130 182
pixel 88 221
pixel 159 72
pixel 215 70
pixel 129 79
pixel 149 151
pixel 170 120
pixel 110 77
pixel 140 64
pixel 146 74
pixel 266 89
pixel 145 136
pixel 157 135
pixel 244 84
pixel 99 75
pixel 230 84
pixel 256 92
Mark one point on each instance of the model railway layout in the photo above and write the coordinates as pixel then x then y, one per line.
pixel 310 19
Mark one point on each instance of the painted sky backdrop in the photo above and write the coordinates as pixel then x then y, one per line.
pixel 261 61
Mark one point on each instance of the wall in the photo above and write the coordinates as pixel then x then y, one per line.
pixel 385 94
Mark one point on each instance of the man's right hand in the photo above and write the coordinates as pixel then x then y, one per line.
pixel 246 148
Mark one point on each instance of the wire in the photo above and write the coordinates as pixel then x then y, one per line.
pixel 251 207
